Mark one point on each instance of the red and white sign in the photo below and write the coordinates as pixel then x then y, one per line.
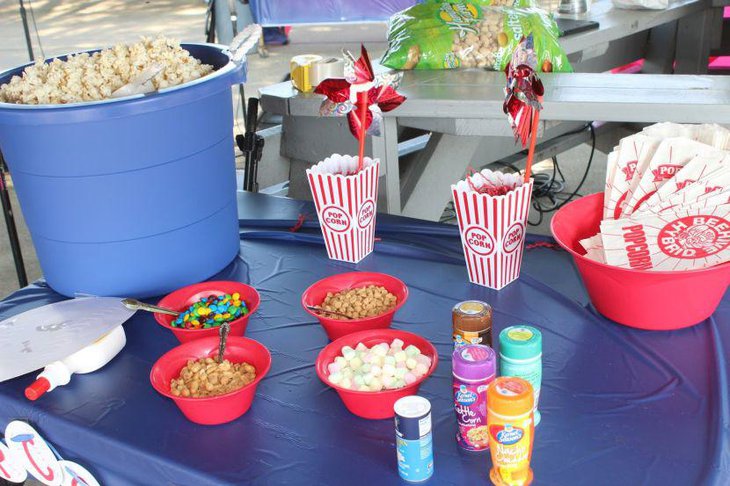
pixel 366 214
pixel 686 239
pixel 514 237
pixel 336 219
pixel 11 467
pixel 493 233
pixel 25 453
pixel 694 237
pixel 479 240
pixel 346 210
pixel 665 171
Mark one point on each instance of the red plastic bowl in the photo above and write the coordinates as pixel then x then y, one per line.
pixel 643 299
pixel 374 405
pixel 222 408
pixel 336 328
pixel 183 298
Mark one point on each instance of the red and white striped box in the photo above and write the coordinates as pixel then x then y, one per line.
pixel 346 205
pixel 492 233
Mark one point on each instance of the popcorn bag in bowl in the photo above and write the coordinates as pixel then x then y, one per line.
pixel 346 202
pixel 492 210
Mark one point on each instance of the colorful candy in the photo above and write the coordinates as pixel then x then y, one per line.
pixel 212 311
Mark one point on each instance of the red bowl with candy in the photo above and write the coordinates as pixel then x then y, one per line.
pixel 218 409
pixel 336 328
pixel 183 298
pixel 375 404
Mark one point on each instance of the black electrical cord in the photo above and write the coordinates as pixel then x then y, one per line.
pixel 550 187
pixel 547 187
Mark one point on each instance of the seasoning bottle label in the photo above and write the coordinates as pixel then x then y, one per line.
pixel 470 404
pixel 511 445
pixel 462 338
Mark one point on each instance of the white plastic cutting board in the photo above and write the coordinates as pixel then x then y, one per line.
pixel 33 339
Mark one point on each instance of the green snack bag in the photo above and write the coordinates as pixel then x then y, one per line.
pixel 452 34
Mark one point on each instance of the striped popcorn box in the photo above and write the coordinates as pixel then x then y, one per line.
pixel 346 205
pixel 492 233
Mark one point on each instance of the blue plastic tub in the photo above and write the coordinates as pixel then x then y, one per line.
pixel 134 196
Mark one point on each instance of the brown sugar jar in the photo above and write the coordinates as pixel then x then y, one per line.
pixel 472 320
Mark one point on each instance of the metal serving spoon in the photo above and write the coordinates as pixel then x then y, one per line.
pixel 133 304
pixel 314 308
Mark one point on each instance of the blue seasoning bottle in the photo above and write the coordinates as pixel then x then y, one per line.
pixel 520 355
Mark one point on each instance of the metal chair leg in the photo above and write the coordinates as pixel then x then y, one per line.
pixel 10 225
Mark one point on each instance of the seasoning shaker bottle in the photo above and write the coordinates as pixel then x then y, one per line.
pixel 472 323
pixel 520 355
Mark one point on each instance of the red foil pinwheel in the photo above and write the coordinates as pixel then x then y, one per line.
pixel 523 97
pixel 343 99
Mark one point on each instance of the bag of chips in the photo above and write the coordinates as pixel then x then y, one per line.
pixel 473 33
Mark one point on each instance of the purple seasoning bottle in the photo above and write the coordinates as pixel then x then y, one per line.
pixel 474 367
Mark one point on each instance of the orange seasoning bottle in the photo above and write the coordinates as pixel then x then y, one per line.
pixel 472 321
pixel 511 425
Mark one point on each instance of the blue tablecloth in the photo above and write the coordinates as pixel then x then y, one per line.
pixel 619 406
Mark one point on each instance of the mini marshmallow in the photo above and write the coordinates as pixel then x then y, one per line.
pixel 422 358
pixel 384 366
pixel 380 350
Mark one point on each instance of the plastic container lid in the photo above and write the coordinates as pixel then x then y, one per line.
pixel 510 396
pixel 520 342
pixel 474 362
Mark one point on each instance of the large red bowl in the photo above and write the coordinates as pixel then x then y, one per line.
pixel 336 328
pixel 183 298
pixel 374 405
pixel 222 408
pixel 637 298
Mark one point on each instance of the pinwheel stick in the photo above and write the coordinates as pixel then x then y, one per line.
pixel 362 102
pixel 531 150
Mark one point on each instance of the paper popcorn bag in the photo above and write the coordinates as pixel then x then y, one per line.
pixel 670 157
pixel 630 161
pixel 492 229
pixel 346 202
pixel 674 240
